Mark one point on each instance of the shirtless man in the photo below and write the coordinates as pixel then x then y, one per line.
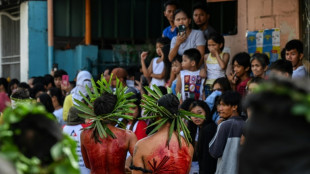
pixel 108 155
pixel 152 155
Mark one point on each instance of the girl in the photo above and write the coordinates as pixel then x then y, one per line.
pixel 216 61
pixel 259 64
pixel 186 39
pixel 202 131
pixel 176 68
pixel 219 86
pixel 159 69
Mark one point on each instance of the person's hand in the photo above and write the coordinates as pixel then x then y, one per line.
pixel 143 56
pixel 65 86
pixel 232 78
pixel 181 38
pixel 203 73
pixel 214 52
pixel 220 120
pixel 139 85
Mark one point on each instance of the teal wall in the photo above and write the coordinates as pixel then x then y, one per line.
pixel 37 27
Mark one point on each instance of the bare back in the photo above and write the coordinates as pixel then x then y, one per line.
pixel 108 156
pixel 152 154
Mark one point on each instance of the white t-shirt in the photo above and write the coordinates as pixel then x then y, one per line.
pixel 300 72
pixel 192 84
pixel 75 133
pixel 157 68
pixel 58 115
pixel 195 38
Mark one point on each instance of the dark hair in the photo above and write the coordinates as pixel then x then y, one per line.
pixel 73 83
pixel 170 102
pixel 262 58
pixel 49 79
pixel 187 103
pixel 5 83
pixel 57 92
pixel 283 54
pixel 201 5
pixel 163 40
pixel 242 59
pixel 179 11
pixel 217 38
pixel 59 73
pixel 295 44
pixel 193 54
pixel 224 83
pixel 177 58
pixel 192 127
pixel 283 66
pixel 171 2
pixel 167 69
pixel 232 98
pixel 24 85
pixel 257 80
pixel 36 89
pixel 11 83
pixel 46 101
pixel 45 133
pixel 105 104
pixel 21 93
pixel 39 79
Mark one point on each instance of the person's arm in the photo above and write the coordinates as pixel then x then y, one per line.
pixel 146 71
pixel 178 88
pixel 218 143
pixel 132 142
pixel 172 77
pixel 175 45
pixel 158 76
pixel 201 49
pixel 137 159
pixel 84 153
pixel 222 62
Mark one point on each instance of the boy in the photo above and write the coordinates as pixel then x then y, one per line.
pixel 189 81
pixel 170 6
pixel 225 143
pixel 282 68
pixel 294 54
pixel 241 68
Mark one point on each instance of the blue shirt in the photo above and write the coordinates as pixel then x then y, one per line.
pixel 170 34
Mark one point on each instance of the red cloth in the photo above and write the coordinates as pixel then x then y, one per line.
pixel 241 87
pixel 4 101
pixel 141 129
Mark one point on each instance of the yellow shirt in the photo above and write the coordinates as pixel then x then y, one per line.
pixel 68 103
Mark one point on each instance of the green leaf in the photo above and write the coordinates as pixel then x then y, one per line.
pixel 151 92
pixel 190 114
pixel 157 90
pixel 171 130
pixel 169 90
pixel 163 121
pixel 179 131
pixel 102 132
pixel 149 117
pixel 109 132
pixel 84 108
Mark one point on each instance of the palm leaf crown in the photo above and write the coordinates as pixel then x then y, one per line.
pixel 99 122
pixel 154 111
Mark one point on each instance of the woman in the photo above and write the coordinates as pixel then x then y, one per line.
pixel 202 131
pixel 188 39
pixel 46 101
pixel 259 65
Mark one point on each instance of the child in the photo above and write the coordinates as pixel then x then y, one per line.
pixel 241 72
pixel 189 82
pixel 156 69
pixel 294 53
pixel 175 69
pixel 216 61
pixel 225 143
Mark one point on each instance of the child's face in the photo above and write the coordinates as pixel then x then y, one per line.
pixel 257 68
pixel 294 57
pixel 169 12
pixel 176 67
pixel 239 69
pixel 200 111
pixel 213 46
pixel 181 19
pixel 186 62
pixel 159 46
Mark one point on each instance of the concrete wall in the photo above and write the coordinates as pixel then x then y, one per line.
pixel 265 14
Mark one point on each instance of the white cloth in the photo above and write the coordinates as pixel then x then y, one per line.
pixel 58 115
pixel 83 79
pixel 214 70
pixel 74 132
pixel 157 68
pixel 300 72
pixel 195 38
pixel 192 84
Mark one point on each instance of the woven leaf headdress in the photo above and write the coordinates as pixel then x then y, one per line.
pixel 154 111
pixel 121 109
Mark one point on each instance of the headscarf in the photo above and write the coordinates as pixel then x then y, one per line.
pixel 83 79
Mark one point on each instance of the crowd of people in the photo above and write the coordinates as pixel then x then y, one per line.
pixel 191 63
